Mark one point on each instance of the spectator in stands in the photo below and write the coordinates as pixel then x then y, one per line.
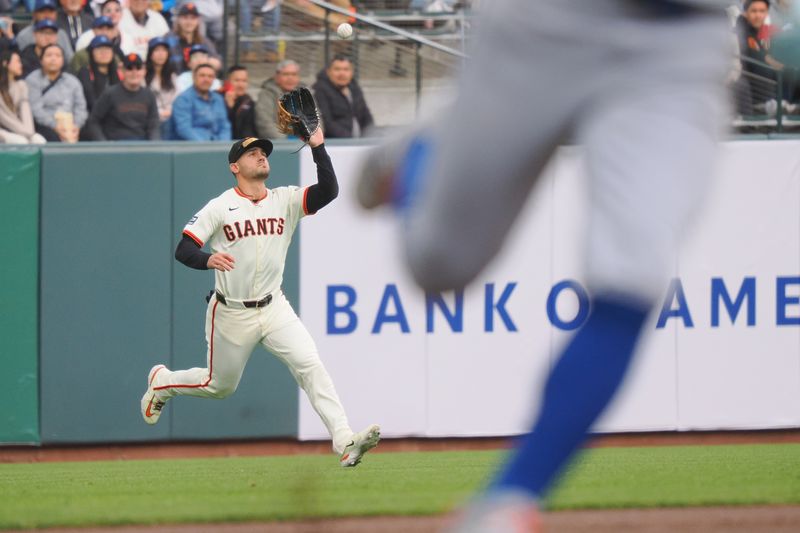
pixel 108 24
pixel 211 12
pixel 74 20
pixel 113 10
pixel 16 120
pixel 753 48
pixel 263 17
pixel 57 102
pixel 45 33
pixel 102 26
pixel 241 107
pixel 341 101
pixel 44 9
pixel 142 24
pixel 198 55
pixel 101 72
pixel 187 34
pixel 161 79
pixel 198 113
pixel 128 110
pixel 286 78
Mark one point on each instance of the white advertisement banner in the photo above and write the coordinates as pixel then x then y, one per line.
pixel 722 352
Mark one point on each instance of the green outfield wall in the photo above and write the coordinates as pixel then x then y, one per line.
pixel 112 301
pixel 19 234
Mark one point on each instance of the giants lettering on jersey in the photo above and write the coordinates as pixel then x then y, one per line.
pixel 263 226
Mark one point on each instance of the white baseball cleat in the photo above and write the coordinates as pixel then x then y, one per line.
pixel 362 442
pixel 151 404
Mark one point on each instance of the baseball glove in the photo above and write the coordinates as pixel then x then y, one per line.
pixel 298 113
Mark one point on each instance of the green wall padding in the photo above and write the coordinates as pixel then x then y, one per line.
pixel 114 301
pixel 19 272
pixel 105 289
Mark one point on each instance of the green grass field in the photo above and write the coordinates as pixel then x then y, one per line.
pixel 416 483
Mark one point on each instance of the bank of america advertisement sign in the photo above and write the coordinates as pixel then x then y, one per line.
pixel 722 349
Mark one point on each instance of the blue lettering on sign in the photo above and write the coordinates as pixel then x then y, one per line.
pixel 338 309
pixel 383 316
pixel 675 292
pixel 490 306
pixel 782 301
pixel 342 313
pixel 719 292
pixel 455 318
pixel 583 305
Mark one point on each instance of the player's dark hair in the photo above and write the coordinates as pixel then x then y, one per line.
pixel 168 71
pixel 98 83
pixel 235 68
pixel 204 65
pixel 340 57
pixel 195 38
pixel 5 78
pixel 47 47
pixel 747 3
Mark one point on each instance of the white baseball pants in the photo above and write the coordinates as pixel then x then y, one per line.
pixel 233 333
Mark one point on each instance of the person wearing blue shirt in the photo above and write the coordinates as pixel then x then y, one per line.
pixel 198 113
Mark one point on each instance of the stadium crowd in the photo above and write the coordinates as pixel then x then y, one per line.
pixel 144 69
pixel 93 70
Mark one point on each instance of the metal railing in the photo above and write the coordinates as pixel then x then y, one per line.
pixel 760 96
pixel 393 31
pixel 378 48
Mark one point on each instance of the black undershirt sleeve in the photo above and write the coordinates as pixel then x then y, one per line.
pixel 190 254
pixel 327 187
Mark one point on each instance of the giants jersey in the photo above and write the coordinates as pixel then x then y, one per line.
pixel 256 233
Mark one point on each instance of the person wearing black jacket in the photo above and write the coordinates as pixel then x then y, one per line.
pixel 754 51
pixel 127 111
pixel 101 72
pixel 73 19
pixel 241 107
pixel 341 102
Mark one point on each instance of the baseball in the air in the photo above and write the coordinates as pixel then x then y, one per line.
pixel 344 31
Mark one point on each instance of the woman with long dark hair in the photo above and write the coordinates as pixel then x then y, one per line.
pixel 160 78
pixel 186 33
pixel 101 72
pixel 16 119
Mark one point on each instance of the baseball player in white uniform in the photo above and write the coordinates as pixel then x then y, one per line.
pixel 248 229
pixel 640 84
